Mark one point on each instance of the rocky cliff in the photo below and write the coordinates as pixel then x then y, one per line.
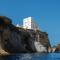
pixel 18 40
pixel 57 50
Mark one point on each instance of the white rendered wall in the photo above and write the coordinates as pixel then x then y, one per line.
pixel 29 24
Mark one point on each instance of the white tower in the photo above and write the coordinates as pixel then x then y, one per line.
pixel 29 24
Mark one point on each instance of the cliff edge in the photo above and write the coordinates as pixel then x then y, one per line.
pixel 18 40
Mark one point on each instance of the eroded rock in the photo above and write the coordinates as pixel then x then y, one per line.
pixel 18 40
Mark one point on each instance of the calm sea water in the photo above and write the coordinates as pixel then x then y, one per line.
pixel 36 56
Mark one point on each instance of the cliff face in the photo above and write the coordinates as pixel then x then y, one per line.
pixel 40 40
pixel 13 40
pixel 17 40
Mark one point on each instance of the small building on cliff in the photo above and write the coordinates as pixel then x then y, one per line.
pixel 19 40
pixel 41 38
pixel 28 23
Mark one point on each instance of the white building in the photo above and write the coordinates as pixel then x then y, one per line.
pixel 29 24
pixel 17 25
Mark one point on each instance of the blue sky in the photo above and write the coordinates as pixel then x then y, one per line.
pixel 46 13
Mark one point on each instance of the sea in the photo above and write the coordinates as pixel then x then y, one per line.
pixel 32 56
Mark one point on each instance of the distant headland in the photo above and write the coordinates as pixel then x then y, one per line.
pixel 23 39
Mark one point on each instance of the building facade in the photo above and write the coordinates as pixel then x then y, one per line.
pixel 29 24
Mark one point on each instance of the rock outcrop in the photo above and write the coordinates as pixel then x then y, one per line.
pixel 57 50
pixel 39 40
pixel 18 40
